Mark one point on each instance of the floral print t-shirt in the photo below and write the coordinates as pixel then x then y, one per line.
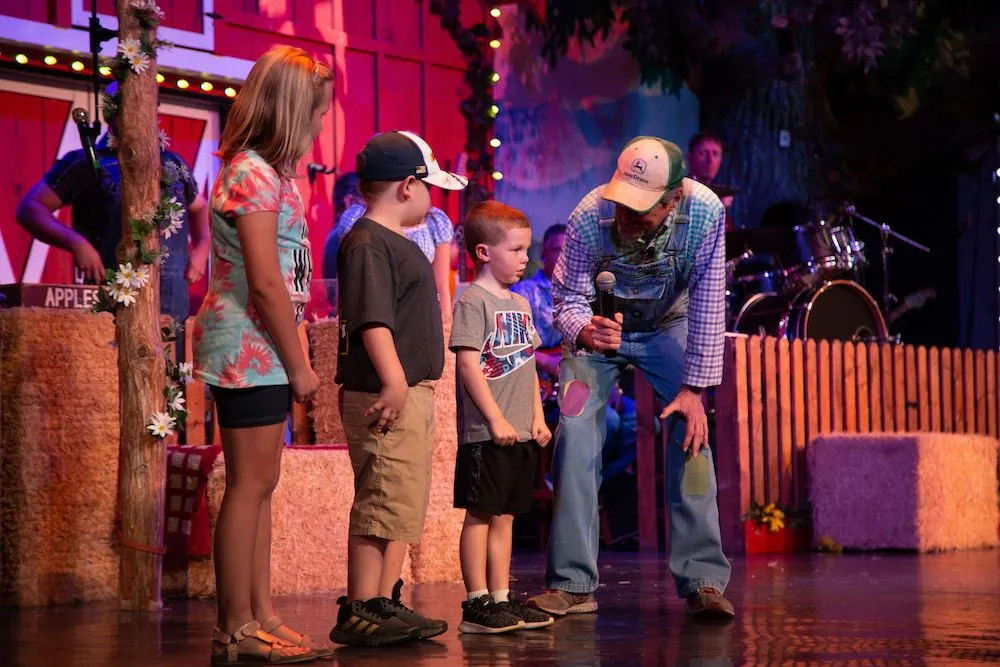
pixel 232 347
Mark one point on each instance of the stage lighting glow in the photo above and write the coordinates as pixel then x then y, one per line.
pixel 494 110
pixel 105 70
pixel 494 43
pixel 497 176
pixel 49 60
pixel 21 59
pixel 160 78
pixel 495 77
pixel 77 66
pixel 230 92
pixel 182 84
pixel 495 143
pixel 495 12
pixel 207 86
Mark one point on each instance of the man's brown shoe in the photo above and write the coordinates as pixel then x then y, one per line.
pixel 561 603
pixel 709 604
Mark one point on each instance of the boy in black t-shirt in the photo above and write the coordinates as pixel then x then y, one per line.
pixel 391 349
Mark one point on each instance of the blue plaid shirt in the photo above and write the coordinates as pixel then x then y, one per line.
pixel 573 279
pixel 432 232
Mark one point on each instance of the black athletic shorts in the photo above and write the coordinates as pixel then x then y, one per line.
pixel 254 406
pixel 494 480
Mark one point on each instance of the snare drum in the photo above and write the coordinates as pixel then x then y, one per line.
pixel 824 252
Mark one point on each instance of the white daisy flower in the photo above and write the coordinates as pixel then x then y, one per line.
pixel 148 6
pixel 130 48
pixel 186 371
pixel 126 295
pixel 164 140
pixel 162 425
pixel 140 277
pixel 173 228
pixel 125 275
pixel 113 290
pixel 177 404
pixel 139 63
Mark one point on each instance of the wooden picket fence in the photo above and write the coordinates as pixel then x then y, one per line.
pixel 201 410
pixel 777 395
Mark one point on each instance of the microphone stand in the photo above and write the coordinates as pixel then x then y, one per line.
pixel 98 35
pixel 885 232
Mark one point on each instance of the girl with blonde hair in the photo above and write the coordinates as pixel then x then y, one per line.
pixel 246 340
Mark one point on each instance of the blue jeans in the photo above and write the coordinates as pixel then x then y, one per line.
pixel 696 557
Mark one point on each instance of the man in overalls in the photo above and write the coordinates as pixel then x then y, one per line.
pixel 663 237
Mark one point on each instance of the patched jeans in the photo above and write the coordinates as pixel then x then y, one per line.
pixel 696 558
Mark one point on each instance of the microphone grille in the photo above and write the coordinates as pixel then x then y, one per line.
pixel 606 281
pixel 80 115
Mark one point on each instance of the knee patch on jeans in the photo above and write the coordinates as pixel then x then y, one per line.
pixel 696 476
pixel 574 398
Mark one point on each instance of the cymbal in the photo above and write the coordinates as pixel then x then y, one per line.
pixel 723 190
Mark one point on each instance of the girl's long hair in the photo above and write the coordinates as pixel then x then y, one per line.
pixel 273 112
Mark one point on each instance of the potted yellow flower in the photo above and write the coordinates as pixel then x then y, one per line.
pixel 771 529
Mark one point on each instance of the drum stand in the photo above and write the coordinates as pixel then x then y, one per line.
pixel 885 232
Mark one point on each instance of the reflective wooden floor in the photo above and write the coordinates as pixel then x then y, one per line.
pixel 804 610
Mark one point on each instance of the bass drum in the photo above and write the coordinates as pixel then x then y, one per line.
pixel 836 310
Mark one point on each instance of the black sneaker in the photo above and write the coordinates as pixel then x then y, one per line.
pixel 428 627
pixel 533 618
pixel 365 624
pixel 485 617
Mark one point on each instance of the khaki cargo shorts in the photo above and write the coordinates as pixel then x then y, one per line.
pixel 392 471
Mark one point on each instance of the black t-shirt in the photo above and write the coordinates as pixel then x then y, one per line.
pixel 386 280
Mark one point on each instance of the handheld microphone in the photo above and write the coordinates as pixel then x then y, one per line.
pixel 315 168
pixel 82 120
pixel 605 284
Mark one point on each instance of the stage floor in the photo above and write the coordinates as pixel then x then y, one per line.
pixel 894 609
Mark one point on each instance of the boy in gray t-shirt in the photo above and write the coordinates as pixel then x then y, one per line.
pixel 500 419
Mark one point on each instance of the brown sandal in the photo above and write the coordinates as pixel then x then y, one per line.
pixel 277 627
pixel 263 648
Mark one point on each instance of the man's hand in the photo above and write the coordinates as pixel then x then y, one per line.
pixel 502 432
pixel 688 404
pixel 602 334
pixel 540 432
pixel 548 363
pixel 196 264
pixel 390 403
pixel 88 260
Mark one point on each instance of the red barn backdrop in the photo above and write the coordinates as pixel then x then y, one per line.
pixel 395 69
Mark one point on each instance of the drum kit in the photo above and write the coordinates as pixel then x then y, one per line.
pixel 806 282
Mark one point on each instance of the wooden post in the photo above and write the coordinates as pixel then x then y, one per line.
pixel 142 459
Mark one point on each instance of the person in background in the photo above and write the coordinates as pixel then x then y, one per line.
pixel 97 218
pixel 705 152
pixel 345 196
pixel 434 236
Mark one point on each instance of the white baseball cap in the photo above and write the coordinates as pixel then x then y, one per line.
pixel 647 167
pixel 393 156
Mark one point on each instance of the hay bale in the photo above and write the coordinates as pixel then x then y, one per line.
pixel 435 557
pixel 58 456
pixel 309 517
pixel 324 339
pixel 920 491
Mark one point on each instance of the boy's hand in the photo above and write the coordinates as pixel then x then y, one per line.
pixel 502 432
pixel 540 432
pixel 390 402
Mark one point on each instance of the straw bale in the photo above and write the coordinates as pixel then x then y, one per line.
pixel 58 456
pixel 917 491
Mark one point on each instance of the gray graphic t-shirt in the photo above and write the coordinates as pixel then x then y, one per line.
pixel 503 333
